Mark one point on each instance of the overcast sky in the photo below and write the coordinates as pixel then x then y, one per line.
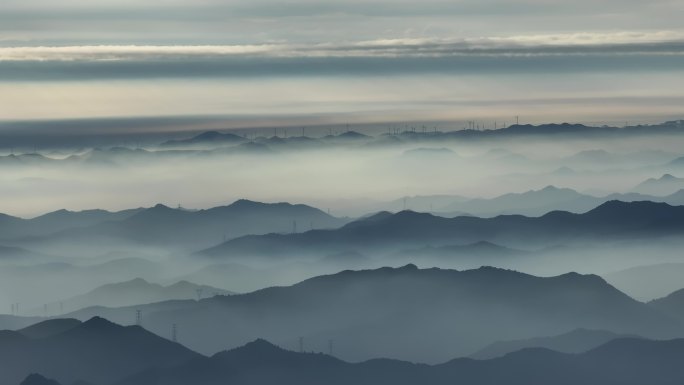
pixel 580 60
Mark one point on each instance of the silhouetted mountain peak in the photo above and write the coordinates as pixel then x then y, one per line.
pixel 100 324
pixel 208 135
pixel 409 216
pixel 616 208
pixel 137 281
pixel 246 204
pixel 409 267
pixel 353 135
pixel 586 279
pixel 37 379
pixel 257 349
pixel 260 345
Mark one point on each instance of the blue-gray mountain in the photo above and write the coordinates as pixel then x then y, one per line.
pixel 96 351
pixel 576 341
pixel 623 361
pixel 175 227
pixel 424 315
pixel 386 232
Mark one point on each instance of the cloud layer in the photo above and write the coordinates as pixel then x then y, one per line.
pixel 433 59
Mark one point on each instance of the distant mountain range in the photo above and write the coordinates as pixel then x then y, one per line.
pixel 205 138
pixel 13 227
pixel 564 129
pixel 530 203
pixel 215 142
pixel 672 305
pixel 387 232
pixel 34 285
pixel 133 292
pixel 663 279
pixel 201 228
pixel 479 254
pixel 666 184
pixel 576 341
pixel 18 253
pixel 176 227
pixel 406 313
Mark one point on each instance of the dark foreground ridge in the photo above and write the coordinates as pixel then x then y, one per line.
pixel 625 361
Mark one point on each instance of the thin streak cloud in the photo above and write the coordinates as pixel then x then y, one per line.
pixel 664 42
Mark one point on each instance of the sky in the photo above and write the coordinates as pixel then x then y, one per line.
pixel 342 61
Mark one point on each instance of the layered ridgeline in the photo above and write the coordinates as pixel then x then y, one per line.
pixel 550 198
pixel 387 232
pixel 166 227
pixel 133 292
pixel 672 305
pixel 666 184
pixel 219 139
pixel 14 227
pixel 662 278
pixel 423 315
pixel 576 341
pixel 225 141
pixel 190 230
pixel 624 361
pixel 529 203
pixel 97 352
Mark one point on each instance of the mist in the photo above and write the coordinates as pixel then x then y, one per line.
pixel 388 192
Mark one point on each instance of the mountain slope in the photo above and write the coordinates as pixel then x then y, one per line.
pixel 623 361
pixel 672 304
pixel 49 328
pixel 392 232
pixel 665 185
pixel 96 351
pixel 576 341
pixel 12 227
pixel 662 279
pixel 530 203
pixel 169 227
pixel 425 315
pixel 139 291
